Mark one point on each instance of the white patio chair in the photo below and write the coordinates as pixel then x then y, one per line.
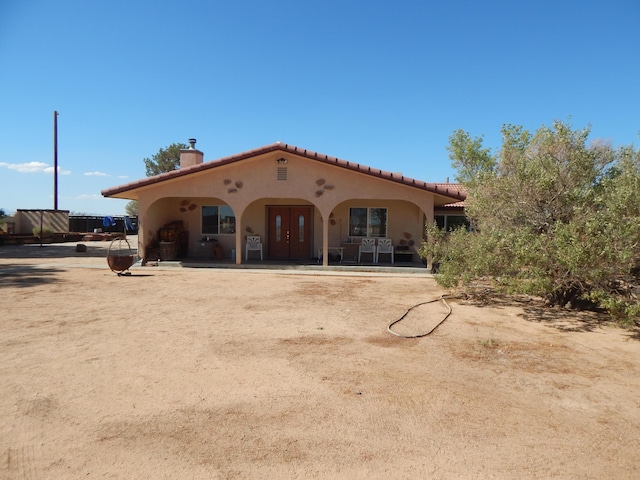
pixel 385 246
pixel 368 245
pixel 253 245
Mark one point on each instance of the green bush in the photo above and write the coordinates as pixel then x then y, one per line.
pixel 554 217
pixel 45 232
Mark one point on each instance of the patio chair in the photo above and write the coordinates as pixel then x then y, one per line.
pixel 253 245
pixel 368 245
pixel 385 246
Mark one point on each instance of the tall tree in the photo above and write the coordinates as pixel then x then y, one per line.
pixel 166 160
pixel 471 160
pixel 131 208
pixel 556 216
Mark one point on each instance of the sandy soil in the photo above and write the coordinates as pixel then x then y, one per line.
pixel 221 374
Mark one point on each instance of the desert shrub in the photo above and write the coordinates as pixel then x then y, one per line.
pixel 555 217
pixel 45 232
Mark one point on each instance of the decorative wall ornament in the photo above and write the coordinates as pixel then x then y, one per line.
pixel 184 208
pixel 410 241
pixel 249 230
pixel 228 181
pixel 321 182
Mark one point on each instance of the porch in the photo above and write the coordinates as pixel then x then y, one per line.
pixel 288 232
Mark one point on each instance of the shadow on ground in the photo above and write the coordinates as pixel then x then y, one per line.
pixel 534 310
pixel 52 251
pixel 20 275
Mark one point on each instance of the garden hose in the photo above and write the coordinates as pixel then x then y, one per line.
pixel 439 299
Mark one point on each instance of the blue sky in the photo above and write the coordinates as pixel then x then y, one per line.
pixel 382 83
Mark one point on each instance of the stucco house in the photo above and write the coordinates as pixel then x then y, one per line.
pixel 301 204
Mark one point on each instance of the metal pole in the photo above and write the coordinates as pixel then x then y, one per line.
pixel 55 160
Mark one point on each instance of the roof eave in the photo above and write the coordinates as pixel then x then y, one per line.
pixel 394 177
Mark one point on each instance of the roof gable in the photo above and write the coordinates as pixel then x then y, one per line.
pixel 447 190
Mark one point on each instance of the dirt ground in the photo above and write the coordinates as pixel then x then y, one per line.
pixel 233 374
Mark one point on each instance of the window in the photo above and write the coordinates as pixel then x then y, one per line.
pixel 451 222
pixel 367 222
pixel 218 220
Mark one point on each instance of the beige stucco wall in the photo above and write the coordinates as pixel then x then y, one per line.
pixel 257 178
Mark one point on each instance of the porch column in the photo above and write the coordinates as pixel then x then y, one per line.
pixel 429 221
pixel 145 234
pixel 238 211
pixel 325 240
pixel 239 251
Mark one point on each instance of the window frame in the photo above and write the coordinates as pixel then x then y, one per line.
pixel 444 224
pixel 219 228
pixel 369 226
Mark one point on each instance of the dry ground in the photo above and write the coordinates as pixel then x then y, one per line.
pixel 216 374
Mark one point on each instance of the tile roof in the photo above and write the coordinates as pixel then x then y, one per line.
pixel 455 187
pixel 445 189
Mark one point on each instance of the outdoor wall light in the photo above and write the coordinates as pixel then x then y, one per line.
pixel 281 161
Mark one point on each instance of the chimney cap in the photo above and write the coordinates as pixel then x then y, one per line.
pixel 192 143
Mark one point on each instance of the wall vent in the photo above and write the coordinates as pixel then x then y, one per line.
pixel 282 173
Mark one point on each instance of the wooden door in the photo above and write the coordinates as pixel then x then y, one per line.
pixel 289 235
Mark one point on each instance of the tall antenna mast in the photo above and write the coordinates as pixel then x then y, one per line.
pixel 55 160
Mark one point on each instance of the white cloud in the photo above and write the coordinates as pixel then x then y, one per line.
pixel 60 171
pixel 96 174
pixel 33 167
pixel 29 167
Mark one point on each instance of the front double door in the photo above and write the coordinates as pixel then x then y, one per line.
pixel 289 233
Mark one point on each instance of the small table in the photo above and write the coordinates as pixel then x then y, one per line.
pixel 350 252
pixel 340 251
pixel 208 250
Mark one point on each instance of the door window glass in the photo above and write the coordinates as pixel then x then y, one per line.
pixel 301 228
pixel 278 228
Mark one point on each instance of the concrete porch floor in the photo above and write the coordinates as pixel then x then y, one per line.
pixel 302 265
